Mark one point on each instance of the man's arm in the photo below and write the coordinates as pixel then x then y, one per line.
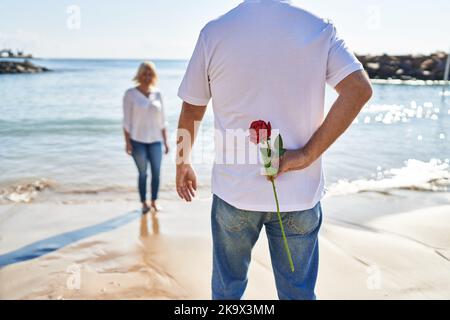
pixel 354 91
pixel 186 179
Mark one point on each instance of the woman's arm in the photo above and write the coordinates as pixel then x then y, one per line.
pixel 164 125
pixel 166 145
pixel 127 123
pixel 128 146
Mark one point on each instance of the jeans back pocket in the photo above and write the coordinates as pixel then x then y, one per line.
pixel 230 218
pixel 304 222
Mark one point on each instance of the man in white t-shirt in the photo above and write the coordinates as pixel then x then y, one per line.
pixel 269 60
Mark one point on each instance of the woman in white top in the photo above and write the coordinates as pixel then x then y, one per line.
pixel 144 127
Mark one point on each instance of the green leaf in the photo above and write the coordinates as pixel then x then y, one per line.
pixel 266 155
pixel 278 144
pixel 279 150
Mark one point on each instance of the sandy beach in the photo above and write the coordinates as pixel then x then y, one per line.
pixel 372 246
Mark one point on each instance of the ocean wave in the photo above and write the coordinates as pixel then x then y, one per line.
pixel 28 191
pixel 24 192
pixel 415 175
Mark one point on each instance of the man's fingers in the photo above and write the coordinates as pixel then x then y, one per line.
pixel 183 190
pixel 179 185
pixel 186 194
pixel 186 185
pixel 280 171
pixel 191 189
pixel 179 192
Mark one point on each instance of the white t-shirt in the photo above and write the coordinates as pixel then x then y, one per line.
pixel 143 118
pixel 267 60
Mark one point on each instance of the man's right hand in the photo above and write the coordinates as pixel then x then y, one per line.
pixel 186 182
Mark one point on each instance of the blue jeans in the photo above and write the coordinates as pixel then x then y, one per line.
pixel 236 231
pixel 142 154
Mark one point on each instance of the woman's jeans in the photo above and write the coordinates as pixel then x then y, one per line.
pixel 236 231
pixel 142 154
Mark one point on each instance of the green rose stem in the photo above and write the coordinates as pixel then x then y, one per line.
pixel 291 263
pixel 286 246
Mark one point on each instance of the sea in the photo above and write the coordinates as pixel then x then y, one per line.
pixel 62 131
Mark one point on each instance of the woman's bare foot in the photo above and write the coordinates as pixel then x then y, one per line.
pixel 155 206
pixel 145 208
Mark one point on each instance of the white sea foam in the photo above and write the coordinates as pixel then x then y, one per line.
pixel 24 192
pixel 415 175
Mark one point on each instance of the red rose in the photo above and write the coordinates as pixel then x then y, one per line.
pixel 260 131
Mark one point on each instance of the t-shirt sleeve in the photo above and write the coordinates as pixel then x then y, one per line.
pixel 127 112
pixel 195 89
pixel 341 61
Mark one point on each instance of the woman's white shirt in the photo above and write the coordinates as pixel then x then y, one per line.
pixel 144 117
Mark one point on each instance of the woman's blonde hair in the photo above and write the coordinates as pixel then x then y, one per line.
pixel 146 65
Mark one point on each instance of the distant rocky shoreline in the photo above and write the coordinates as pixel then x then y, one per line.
pixel 16 61
pixel 11 67
pixel 405 67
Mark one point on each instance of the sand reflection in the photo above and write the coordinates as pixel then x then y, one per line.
pixel 144 224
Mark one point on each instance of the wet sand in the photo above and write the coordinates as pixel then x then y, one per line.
pixel 372 246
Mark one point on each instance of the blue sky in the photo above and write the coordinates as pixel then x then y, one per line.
pixel 168 28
